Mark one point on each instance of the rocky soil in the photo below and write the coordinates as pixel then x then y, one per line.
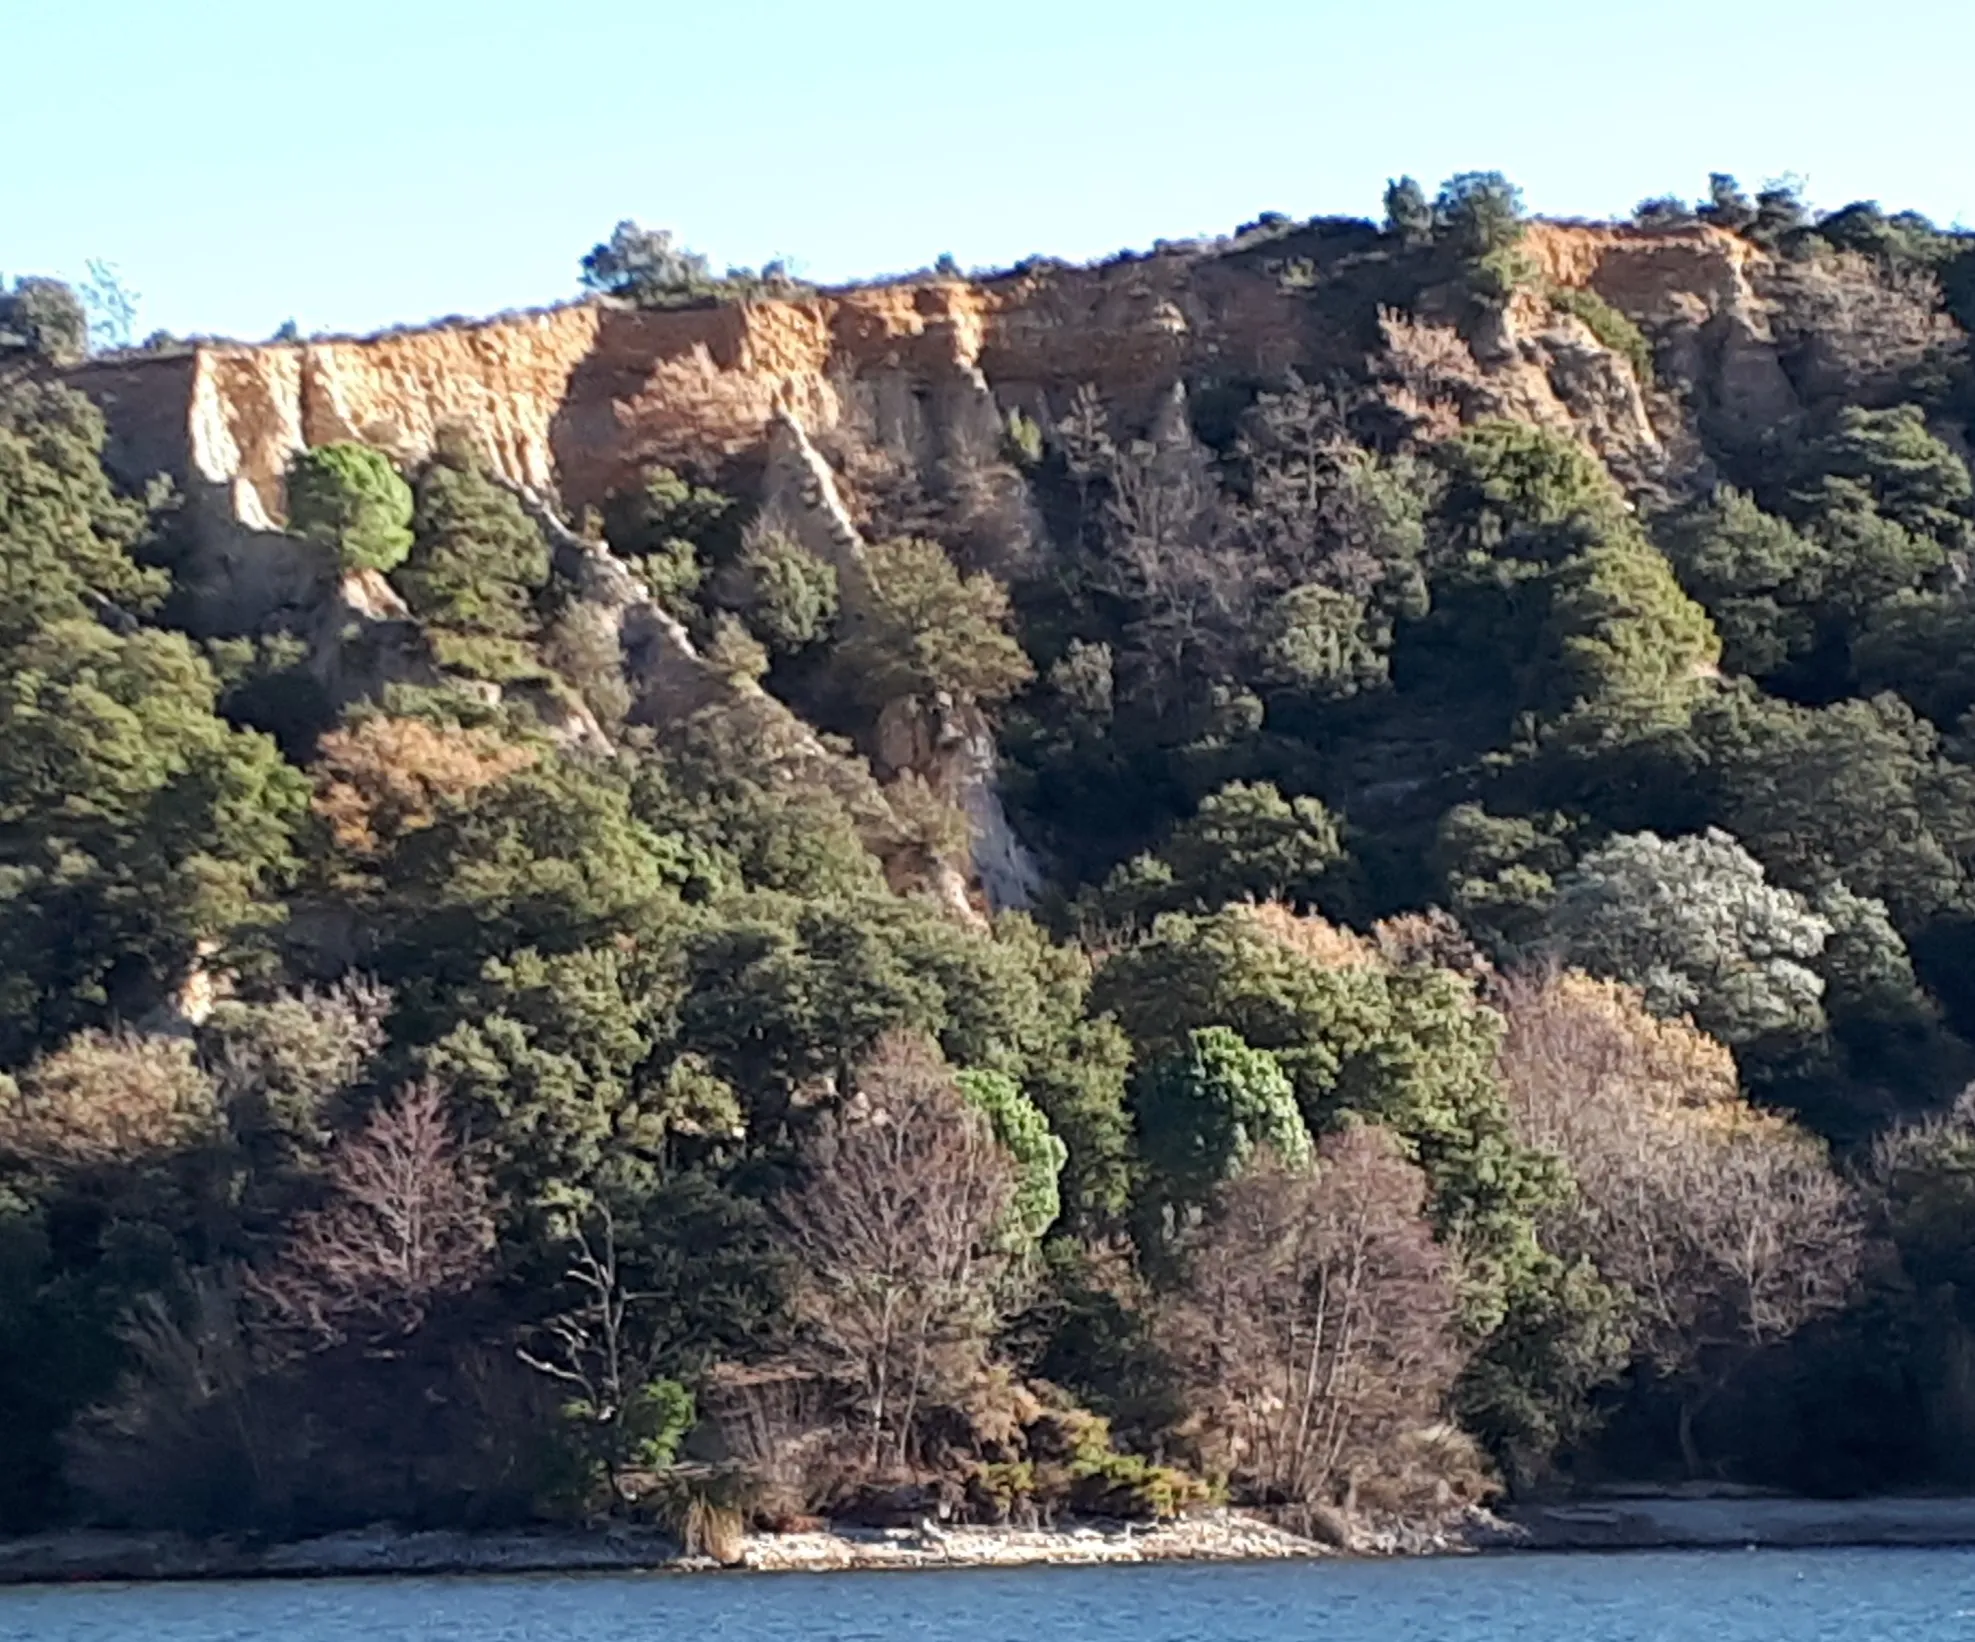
pixel 1633 1522
pixel 1215 1536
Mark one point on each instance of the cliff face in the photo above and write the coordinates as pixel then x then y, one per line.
pixel 579 398
pixel 921 378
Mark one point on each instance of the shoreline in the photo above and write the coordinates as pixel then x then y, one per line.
pixel 1677 1521
pixel 99 1556
pixel 1643 1522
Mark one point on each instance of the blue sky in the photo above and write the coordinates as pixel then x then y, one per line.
pixel 368 162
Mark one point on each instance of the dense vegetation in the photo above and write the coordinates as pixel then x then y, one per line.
pixel 1498 1013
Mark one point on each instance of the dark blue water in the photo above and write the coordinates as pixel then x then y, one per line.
pixel 1823 1596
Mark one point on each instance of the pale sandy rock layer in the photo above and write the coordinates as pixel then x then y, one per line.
pixel 575 401
pixel 580 397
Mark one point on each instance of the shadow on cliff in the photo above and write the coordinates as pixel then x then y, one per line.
pixel 605 431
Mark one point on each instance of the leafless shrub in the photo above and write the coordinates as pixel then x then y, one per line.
pixel 1316 1326
pixel 1727 1226
pixel 184 1422
pixel 583 646
pixel 879 480
pixel 893 1234
pixel 987 523
pixel 407 1222
pixel 780 1423
pixel 1429 373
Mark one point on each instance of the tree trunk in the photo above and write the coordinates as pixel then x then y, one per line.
pixel 1690 1453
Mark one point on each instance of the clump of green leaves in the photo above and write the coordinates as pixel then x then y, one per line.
pixel 350 499
pixel 44 317
pixel 1608 325
pixel 917 627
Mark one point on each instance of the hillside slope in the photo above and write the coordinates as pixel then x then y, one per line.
pixel 735 901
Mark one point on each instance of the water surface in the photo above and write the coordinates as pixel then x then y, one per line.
pixel 1820 1596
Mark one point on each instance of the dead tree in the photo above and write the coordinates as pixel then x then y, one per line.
pixel 407 1221
pixel 894 1236
pixel 1726 1226
pixel 603 1350
pixel 1315 1328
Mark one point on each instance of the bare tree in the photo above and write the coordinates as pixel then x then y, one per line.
pixel 1316 1325
pixel 1169 555
pixel 1429 374
pixel 605 1349
pixel 1302 521
pixel 894 1234
pixel 407 1222
pixel 1727 1225
pixel 185 1412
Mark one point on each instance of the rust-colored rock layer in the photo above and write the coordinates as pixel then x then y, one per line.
pixel 579 397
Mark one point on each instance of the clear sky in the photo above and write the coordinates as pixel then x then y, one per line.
pixel 367 162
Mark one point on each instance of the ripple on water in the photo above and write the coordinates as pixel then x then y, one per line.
pixel 1827 1596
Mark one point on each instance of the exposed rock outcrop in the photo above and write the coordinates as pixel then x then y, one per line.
pixel 579 398
pixel 576 401
pixel 1695 292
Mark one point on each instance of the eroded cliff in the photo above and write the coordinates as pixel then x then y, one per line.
pixel 795 402
pixel 577 399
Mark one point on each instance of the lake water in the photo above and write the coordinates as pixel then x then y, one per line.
pixel 1820 1596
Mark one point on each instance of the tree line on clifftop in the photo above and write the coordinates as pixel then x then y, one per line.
pixel 1498 1017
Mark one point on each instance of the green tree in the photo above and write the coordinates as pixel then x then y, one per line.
pixel 1923 646
pixel 1694 924
pixel 477 560
pixel 914 626
pixel 1758 577
pixel 1904 471
pixel 1858 790
pixel 350 499
pixel 1479 216
pixel 1779 213
pixel 1322 641
pixel 787 594
pixel 65 534
pixel 1408 214
pixel 1247 840
pixel 1020 1003
pixel 138 831
pixel 784 995
pixel 554 1061
pixel 1024 1133
pixel 1542 576
pixel 1625 639
pixel 1479 212
pixel 1501 871
pixel 665 508
pixel 1727 207
pixel 550 857
pixel 1408 1047
pixel 45 317
pixel 647 266
pixel 1204 1110
pixel 1516 491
